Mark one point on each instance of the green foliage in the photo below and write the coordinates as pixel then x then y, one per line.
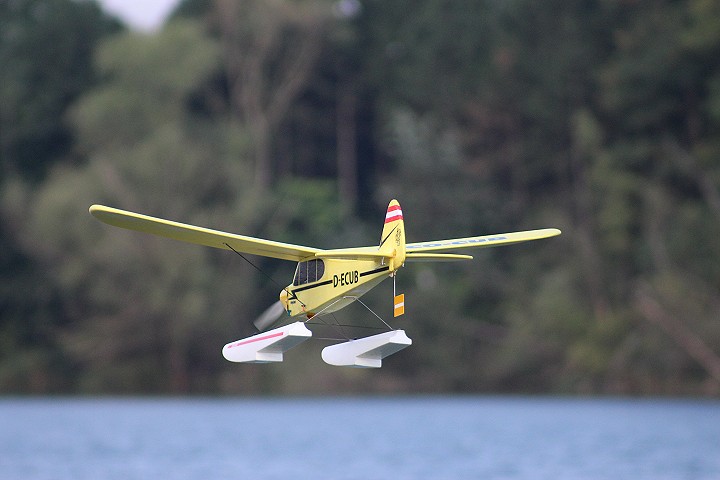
pixel 46 49
pixel 597 117
pixel 150 81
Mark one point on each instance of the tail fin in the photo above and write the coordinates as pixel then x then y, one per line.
pixel 392 241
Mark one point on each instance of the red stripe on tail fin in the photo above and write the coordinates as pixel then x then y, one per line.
pixel 394 212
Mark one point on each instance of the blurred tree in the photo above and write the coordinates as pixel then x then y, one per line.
pixel 143 148
pixel 269 51
pixel 661 165
pixel 147 314
pixel 567 112
pixel 46 49
pixel 323 131
pixel 599 117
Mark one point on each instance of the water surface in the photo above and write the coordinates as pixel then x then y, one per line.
pixel 359 438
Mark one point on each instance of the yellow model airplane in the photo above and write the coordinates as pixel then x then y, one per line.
pixel 325 280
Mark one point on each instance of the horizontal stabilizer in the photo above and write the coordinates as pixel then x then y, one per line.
pixel 366 352
pixel 436 257
pixel 267 346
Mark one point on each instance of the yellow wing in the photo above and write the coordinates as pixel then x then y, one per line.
pixel 200 235
pixel 480 242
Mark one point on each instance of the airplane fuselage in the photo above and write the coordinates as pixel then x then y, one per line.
pixel 325 286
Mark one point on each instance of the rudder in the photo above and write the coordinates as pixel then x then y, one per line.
pixel 392 240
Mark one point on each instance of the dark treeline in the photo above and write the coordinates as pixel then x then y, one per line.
pixel 298 121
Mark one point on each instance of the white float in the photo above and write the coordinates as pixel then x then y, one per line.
pixel 366 352
pixel 267 346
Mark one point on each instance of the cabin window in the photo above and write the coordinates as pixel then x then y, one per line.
pixel 310 271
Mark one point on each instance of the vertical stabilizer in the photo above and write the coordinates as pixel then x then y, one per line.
pixel 392 241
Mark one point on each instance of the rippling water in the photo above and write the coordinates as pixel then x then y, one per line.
pixel 359 438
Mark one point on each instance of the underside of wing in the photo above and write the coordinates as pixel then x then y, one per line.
pixel 481 242
pixel 200 235
pixel 372 253
pixel 357 253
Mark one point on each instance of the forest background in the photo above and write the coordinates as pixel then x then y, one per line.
pixel 298 121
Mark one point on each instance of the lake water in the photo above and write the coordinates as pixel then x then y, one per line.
pixel 359 438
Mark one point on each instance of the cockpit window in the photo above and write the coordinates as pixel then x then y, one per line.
pixel 310 271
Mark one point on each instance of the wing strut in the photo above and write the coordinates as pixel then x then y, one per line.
pixel 275 311
pixel 256 267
